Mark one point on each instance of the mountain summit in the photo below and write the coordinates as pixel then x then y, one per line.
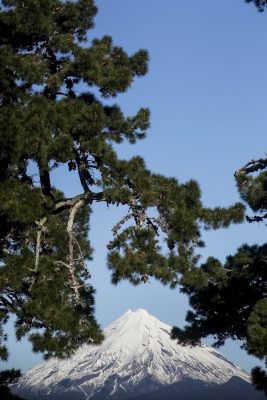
pixel 136 358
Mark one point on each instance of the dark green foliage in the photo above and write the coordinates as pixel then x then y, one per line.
pixel 230 300
pixel 259 379
pixel 6 378
pixel 46 122
pixel 260 4
pixel 253 187
pixel 52 113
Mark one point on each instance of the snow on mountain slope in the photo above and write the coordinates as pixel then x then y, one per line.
pixel 137 356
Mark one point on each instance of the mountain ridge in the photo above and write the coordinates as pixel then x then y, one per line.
pixel 136 358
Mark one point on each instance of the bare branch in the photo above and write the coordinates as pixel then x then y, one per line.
pixel 61 263
pixel 68 203
pixel 40 224
pixel 87 197
pixel 80 251
pixel 74 283
pixel 40 230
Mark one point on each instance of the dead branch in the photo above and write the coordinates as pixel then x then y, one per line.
pixel 74 283
pixel 87 197
pixel 80 251
pixel 40 229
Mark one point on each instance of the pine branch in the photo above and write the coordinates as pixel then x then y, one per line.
pixel 252 166
pixel 158 222
pixel 256 218
pixel 82 171
pixel 45 181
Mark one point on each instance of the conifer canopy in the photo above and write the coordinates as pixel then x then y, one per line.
pixel 230 300
pixel 53 113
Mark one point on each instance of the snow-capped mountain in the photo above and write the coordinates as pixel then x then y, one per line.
pixel 137 357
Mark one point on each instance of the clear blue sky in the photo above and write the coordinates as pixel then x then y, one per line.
pixel 206 89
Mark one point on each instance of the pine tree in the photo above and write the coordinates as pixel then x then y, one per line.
pixel 230 300
pixel 53 113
